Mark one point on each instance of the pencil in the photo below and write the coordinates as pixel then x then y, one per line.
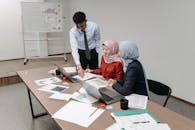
pixel 93 112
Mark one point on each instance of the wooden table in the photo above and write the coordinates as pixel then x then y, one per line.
pixel 174 120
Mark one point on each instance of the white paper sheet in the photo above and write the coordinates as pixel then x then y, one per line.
pixel 70 69
pixel 61 96
pixel 79 113
pixel 83 96
pixel 86 77
pixel 53 88
pixel 97 82
pixel 46 81
pixel 158 126
pixel 137 101
pixel 53 71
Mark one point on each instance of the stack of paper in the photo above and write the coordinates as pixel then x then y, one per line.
pixel 137 101
pixel 136 120
pixel 130 121
pixel 79 113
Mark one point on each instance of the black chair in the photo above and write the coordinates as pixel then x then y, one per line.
pixel 160 89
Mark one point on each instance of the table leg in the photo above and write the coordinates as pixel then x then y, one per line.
pixel 31 107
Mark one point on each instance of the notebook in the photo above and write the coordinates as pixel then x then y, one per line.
pixel 97 88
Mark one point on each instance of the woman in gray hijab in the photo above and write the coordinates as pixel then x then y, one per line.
pixel 134 80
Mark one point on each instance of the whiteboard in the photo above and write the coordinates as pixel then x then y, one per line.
pixel 42 16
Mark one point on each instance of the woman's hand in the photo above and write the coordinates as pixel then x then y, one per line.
pixel 111 82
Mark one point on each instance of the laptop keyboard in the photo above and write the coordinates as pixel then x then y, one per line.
pixel 106 97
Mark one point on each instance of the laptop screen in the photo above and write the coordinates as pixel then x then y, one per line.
pixel 91 90
pixel 97 88
pixel 68 72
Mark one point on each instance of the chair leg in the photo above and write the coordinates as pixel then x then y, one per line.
pixel 168 96
pixel 31 107
pixel 165 103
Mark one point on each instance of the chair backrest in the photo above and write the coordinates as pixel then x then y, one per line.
pixel 160 89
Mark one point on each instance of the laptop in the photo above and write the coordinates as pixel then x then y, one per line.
pixel 101 92
pixel 68 75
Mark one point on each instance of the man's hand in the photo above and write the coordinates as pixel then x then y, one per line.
pixel 88 71
pixel 81 72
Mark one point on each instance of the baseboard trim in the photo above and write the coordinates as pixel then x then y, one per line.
pixel 182 100
pixel 22 58
pixel 12 59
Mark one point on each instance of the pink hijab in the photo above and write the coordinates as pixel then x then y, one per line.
pixel 114 51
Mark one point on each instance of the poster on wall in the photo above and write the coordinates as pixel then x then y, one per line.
pixel 42 16
pixel 52 14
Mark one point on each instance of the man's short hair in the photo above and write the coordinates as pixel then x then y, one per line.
pixel 79 17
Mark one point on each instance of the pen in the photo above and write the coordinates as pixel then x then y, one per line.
pixel 93 112
pixel 141 122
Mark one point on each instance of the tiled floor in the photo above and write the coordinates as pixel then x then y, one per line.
pixel 15 110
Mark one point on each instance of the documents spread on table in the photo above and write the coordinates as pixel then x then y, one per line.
pixel 46 81
pixel 139 119
pixel 82 96
pixel 84 114
pixel 137 101
pixel 53 88
pixel 79 113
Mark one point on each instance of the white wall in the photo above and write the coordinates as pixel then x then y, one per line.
pixel 10 30
pixel 164 30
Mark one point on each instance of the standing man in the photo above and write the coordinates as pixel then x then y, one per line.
pixel 85 43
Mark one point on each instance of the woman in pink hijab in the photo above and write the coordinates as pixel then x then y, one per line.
pixel 111 65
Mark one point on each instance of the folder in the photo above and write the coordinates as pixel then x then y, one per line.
pixel 134 112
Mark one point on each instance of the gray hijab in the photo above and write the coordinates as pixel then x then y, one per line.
pixel 129 52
